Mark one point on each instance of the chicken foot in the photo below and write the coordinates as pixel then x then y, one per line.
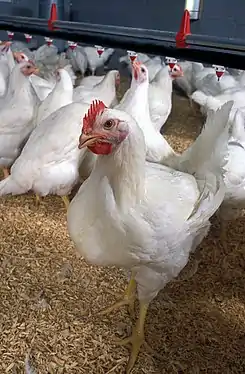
pixel 6 172
pixel 66 201
pixel 128 299
pixel 38 199
pixel 137 339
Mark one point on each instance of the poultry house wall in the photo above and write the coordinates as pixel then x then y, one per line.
pixel 219 18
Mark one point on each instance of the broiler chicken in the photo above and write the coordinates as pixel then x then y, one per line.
pixel 94 60
pixel 17 112
pixel 160 94
pixel 77 58
pixel 7 63
pixel 61 95
pixel 234 176
pixel 144 217
pixel 106 89
pixel 136 103
pixel 50 159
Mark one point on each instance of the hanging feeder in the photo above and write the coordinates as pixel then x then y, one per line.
pixel 10 35
pixel 100 50
pixel 132 55
pixel 171 61
pixel 72 45
pixel 48 40
pixel 28 38
pixel 219 71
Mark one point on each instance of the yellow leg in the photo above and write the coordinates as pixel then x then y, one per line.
pixel 66 201
pixel 38 199
pixel 6 173
pixel 191 102
pixel 138 337
pixel 128 298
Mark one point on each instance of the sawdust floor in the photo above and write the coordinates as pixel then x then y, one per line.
pixel 49 297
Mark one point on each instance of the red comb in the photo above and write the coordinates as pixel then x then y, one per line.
pixel 95 108
pixel 136 65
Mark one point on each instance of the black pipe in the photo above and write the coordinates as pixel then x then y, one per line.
pixel 207 49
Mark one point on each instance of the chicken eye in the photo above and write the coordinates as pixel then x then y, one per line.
pixel 108 124
pixel 142 70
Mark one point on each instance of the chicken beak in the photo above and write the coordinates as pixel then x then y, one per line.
pixel 88 140
pixel 36 71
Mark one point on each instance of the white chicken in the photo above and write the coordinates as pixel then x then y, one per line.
pixel 17 113
pixel 160 94
pixel 7 63
pixel 141 216
pixel 77 58
pixel 234 176
pixel 136 103
pixel 95 60
pixel 46 58
pixel 50 159
pixel 210 85
pixel 61 95
pixel 106 89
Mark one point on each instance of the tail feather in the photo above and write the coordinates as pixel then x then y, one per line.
pixel 9 186
pixel 206 159
pixel 208 152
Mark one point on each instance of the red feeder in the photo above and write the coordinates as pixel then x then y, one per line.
pixel 132 58
pixel 10 35
pixel 185 29
pixel 219 74
pixel 72 45
pixel 48 40
pixel 132 55
pixel 219 71
pixel 100 50
pixel 53 17
pixel 171 61
pixel 28 38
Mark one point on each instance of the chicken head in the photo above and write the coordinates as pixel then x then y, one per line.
pixel 28 68
pixel 140 72
pixel 102 130
pixel 20 57
pixel 176 71
pixel 5 46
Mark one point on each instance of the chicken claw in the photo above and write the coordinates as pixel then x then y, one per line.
pixel 128 299
pixel 137 339
pixel 66 201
